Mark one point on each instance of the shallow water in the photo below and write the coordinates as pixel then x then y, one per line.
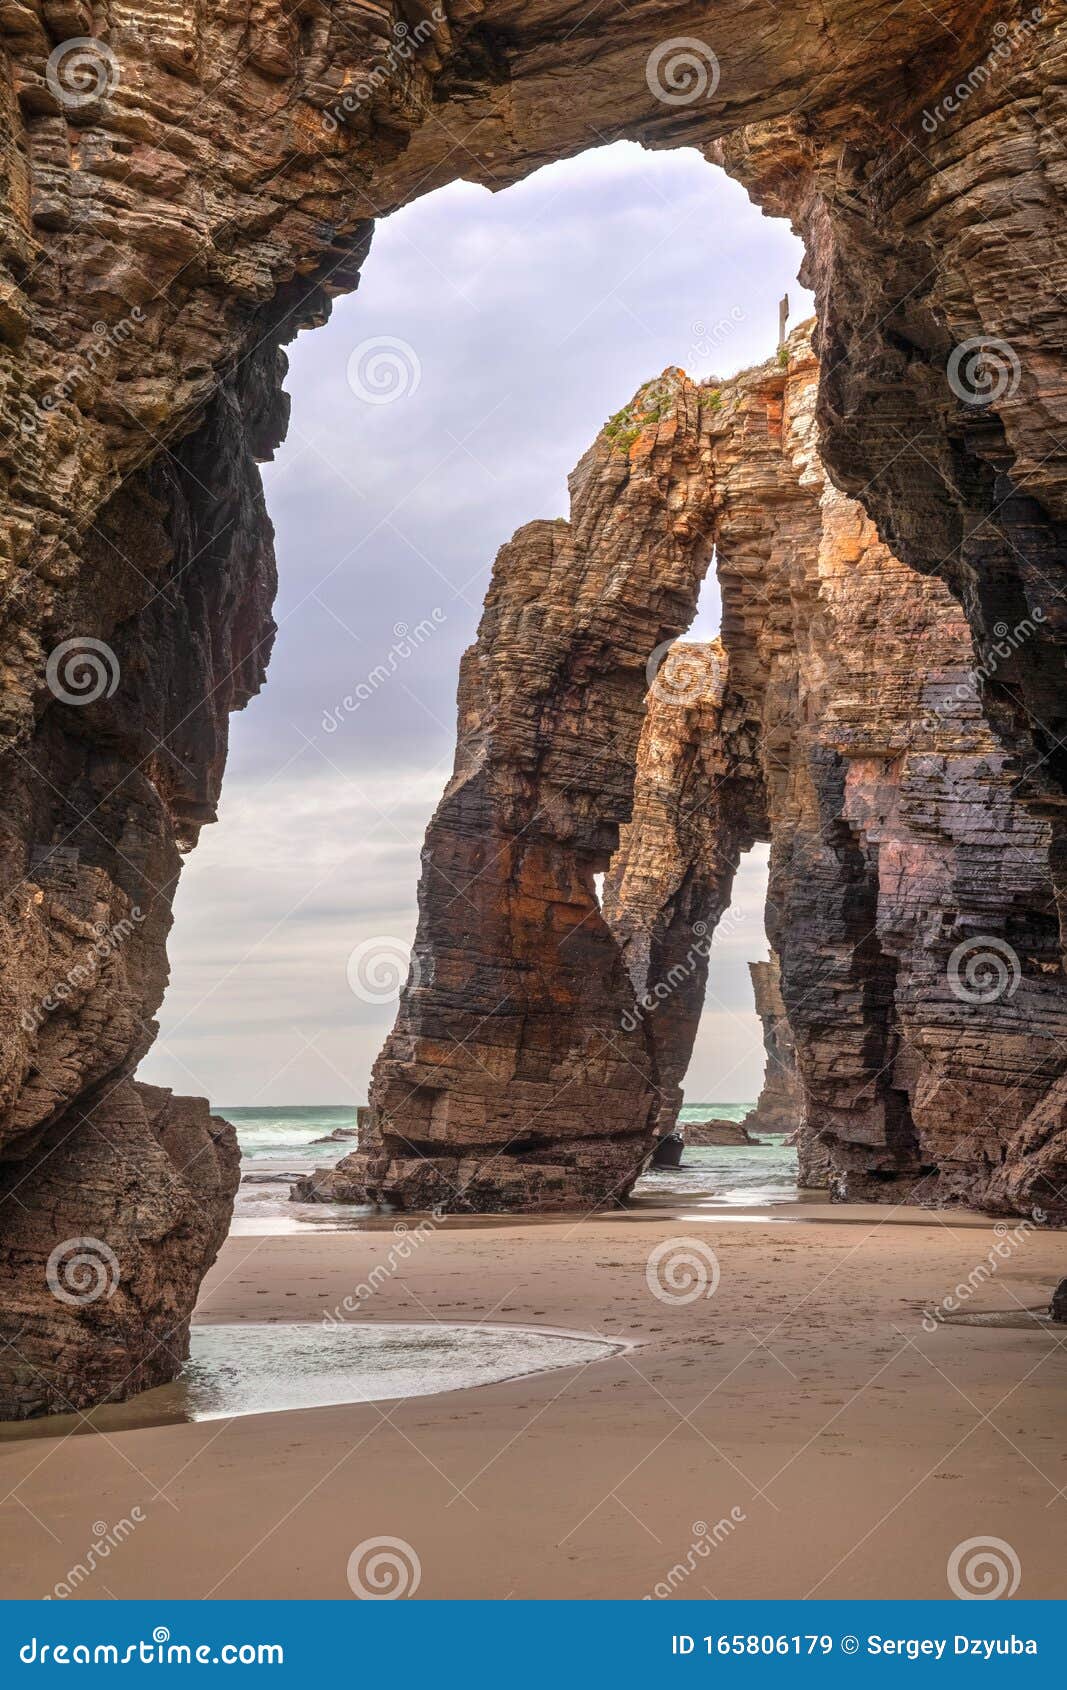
pixel 277 1145
pixel 267 1368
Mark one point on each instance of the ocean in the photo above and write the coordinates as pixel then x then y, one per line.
pixel 279 1144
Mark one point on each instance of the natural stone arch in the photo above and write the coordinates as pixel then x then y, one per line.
pixel 839 718
pixel 163 238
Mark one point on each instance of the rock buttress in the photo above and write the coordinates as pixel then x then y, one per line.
pixel 912 900
pixel 110 768
pixel 517 1075
pixel 698 806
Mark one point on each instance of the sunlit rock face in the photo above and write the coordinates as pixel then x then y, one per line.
pixel 182 188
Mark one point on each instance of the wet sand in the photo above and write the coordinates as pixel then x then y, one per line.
pixel 847 1448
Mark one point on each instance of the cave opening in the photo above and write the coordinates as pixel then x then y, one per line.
pixel 443 404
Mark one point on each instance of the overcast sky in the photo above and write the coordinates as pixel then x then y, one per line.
pixel 518 322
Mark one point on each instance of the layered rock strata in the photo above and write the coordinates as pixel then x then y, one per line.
pixel 181 191
pixel 518 1074
pixel 698 806
pixel 911 895
pixel 111 763
pixel 912 898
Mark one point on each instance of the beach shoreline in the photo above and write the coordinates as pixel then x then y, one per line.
pixel 803 1402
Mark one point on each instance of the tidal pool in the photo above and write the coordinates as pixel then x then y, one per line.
pixel 254 1368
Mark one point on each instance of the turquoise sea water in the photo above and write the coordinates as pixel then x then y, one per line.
pixel 279 1143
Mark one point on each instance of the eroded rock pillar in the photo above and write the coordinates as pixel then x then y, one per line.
pixel 517 1075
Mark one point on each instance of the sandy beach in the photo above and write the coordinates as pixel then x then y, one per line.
pixel 802 1422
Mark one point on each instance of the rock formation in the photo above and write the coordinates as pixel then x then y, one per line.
pixel 182 190
pixel 106 1238
pixel 911 896
pixel 780 1108
pixel 698 805
pixel 518 1075
pixel 717 1132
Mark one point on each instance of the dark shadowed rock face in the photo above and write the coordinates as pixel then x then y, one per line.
pixel 911 900
pixel 108 1232
pixel 110 767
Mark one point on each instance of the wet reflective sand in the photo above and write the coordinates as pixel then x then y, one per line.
pixel 256 1368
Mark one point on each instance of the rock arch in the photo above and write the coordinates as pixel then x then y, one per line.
pixel 170 222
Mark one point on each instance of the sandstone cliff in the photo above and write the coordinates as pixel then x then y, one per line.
pixel 183 187
pixel 911 896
